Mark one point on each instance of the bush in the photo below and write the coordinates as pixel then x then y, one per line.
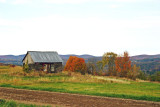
pixel 75 64
pixel 142 76
pixel 26 67
pixel 155 77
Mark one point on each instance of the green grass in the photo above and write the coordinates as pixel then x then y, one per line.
pixel 88 85
pixel 138 91
pixel 4 103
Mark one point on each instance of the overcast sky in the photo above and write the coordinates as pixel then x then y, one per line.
pixel 80 26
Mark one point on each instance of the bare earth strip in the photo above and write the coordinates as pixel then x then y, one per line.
pixel 70 100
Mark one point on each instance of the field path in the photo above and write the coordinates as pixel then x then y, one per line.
pixel 70 100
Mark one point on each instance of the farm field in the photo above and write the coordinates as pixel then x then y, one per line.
pixel 57 99
pixel 80 84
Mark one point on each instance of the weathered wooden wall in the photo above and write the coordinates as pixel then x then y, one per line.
pixel 39 67
pixel 28 57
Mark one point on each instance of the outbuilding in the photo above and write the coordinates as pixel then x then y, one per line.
pixel 47 61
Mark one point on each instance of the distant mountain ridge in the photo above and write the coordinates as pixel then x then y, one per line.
pixel 12 57
pixel 140 57
pixel 80 56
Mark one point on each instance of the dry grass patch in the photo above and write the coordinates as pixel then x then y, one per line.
pixel 77 77
pixel 46 80
pixel 112 80
pixel 15 71
pixel 15 81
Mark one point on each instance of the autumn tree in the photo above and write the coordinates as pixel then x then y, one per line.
pixel 75 64
pixel 126 64
pixel 109 60
pixel 134 72
pixel 100 65
pixel 123 64
pixel 90 68
pixel 119 65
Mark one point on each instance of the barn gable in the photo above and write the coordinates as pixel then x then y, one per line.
pixel 28 58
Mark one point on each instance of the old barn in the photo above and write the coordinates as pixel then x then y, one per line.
pixel 48 61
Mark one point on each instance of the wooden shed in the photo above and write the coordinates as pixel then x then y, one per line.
pixel 48 61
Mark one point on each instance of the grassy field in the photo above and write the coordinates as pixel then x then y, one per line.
pixel 80 84
pixel 4 103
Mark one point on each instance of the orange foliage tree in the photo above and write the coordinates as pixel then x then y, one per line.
pixel 118 64
pixel 123 64
pixel 75 64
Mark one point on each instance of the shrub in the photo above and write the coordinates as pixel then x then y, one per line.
pixel 26 67
pixel 155 76
pixel 142 76
pixel 75 64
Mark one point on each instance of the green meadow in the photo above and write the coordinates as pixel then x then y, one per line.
pixel 80 84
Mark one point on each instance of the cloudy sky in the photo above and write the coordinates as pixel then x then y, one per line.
pixel 80 26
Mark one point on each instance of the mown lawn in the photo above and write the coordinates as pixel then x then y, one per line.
pixel 89 85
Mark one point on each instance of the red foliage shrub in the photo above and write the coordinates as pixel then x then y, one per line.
pixel 75 64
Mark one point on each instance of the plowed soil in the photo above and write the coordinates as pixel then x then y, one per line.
pixel 70 100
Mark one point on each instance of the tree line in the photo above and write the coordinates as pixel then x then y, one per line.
pixel 111 64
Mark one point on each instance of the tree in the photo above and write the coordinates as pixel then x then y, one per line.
pixel 142 75
pixel 133 74
pixel 119 65
pixel 126 64
pixel 100 65
pixel 75 64
pixel 109 60
pixel 123 64
pixel 90 68
pixel 155 76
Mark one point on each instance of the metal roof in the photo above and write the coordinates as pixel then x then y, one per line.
pixel 45 56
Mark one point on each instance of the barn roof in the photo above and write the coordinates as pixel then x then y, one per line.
pixel 45 56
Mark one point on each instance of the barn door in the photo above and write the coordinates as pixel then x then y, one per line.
pixel 52 68
pixel 45 67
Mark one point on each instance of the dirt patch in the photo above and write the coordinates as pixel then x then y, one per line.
pixel 70 100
